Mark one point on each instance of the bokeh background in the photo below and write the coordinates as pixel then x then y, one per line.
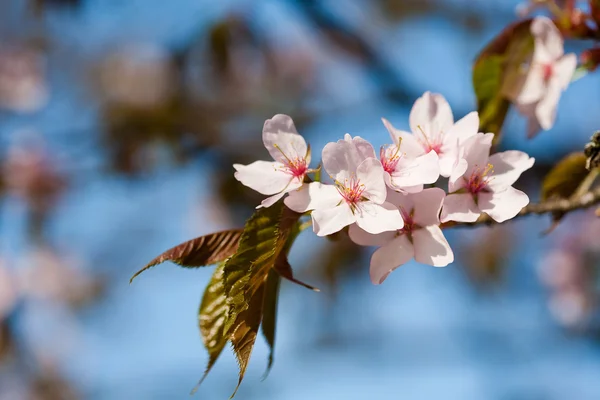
pixel 119 123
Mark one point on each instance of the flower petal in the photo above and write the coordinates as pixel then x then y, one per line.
pixel 416 171
pixel 263 176
pixel 459 169
pixel 534 86
pixel 545 110
pixel 431 247
pixel 342 158
pixel 564 70
pixel 295 184
pixel 389 257
pixel 313 196
pixel 282 140
pixel 428 204
pixel 364 238
pixel 269 201
pixel 502 206
pixel 370 174
pixel 508 167
pixel 548 40
pixel 459 207
pixel 409 145
pixel 375 218
pixel 463 129
pixel 477 151
pixel 331 220
pixel 431 113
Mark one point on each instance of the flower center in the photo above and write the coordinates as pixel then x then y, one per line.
pixel 295 166
pixel 431 141
pixel 479 179
pixel 547 71
pixel 389 158
pixel 351 190
pixel 409 223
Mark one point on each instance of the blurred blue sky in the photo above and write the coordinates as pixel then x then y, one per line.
pixel 426 333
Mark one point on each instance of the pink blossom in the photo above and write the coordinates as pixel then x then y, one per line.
pixel 286 173
pixel 357 196
pixel 433 129
pixel 406 168
pixel 548 76
pixel 421 236
pixel 486 185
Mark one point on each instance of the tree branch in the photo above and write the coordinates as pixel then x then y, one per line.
pixel 561 206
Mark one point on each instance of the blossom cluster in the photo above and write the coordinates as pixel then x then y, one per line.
pixel 383 199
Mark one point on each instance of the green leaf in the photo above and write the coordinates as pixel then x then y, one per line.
pixel 265 237
pixel 199 252
pixel 246 330
pixel 212 315
pixel 565 177
pixel 269 319
pixel 563 180
pixel 497 70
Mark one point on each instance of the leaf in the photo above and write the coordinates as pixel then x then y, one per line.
pixel 269 319
pixel 246 330
pixel 497 70
pixel 563 180
pixel 212 315
pixel 565 177
pixel 199 252
pixel 266 235
pixel 283 267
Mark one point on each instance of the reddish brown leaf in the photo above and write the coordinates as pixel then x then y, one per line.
pixel 199 252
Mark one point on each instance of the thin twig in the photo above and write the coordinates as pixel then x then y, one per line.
pixel 551 206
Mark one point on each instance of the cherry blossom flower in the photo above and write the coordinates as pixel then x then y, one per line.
pixel 286 173
pixel 486 185
pixel 421 237
pixel 548 76
pixel 433 129
pixel 405 168
pixel 357 195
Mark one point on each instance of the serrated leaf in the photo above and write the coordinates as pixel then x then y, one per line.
pixel 246 330
pixel 199 252
pixel 212 315
pixel 496 70
pixel 269 319
pixel 266 235
pixel 565 177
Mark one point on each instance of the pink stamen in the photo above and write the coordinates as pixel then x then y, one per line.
pixel 479 179
pixel 432 142
pixel 351 190
pixel 389 162
pixel 295 166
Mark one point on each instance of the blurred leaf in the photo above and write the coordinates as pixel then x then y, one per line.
pixel 563 180
pixel 565 177
pixel 211 319
pixel 265 237
pixel 498 68
pixel 199 252
pixel 269 320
